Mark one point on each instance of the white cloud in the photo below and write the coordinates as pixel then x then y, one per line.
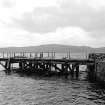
pixel 73 22
pixel 69 13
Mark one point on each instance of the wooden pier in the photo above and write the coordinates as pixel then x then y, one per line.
pixel 45 65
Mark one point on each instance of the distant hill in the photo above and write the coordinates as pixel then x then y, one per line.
pixel 54 47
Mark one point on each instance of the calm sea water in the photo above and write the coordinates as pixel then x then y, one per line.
pixel 16 89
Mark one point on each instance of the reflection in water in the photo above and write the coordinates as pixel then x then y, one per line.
pixel 21 89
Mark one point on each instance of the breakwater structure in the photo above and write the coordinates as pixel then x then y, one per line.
pixel 97 71
pixel 49 64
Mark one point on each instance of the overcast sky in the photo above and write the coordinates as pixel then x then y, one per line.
pixel 36 22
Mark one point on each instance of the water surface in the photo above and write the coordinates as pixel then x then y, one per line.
pixel 18 89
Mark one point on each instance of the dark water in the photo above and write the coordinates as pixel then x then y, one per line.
pixel 18 89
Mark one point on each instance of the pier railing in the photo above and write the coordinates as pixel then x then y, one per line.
pixel 47 55
pixel 27 55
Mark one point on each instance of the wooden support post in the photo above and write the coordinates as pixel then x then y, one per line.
pixel 36 66
pixel 56 67
pixel 9 64
pixel 6 62
pixel 49 66
pixel 20 65
pixel 23 65
pixel 30 65
pixel 44 67
pixel 66 71
pixel 62 66
pixel 77 71
pixel 72 70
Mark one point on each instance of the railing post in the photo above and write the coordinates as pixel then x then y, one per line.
pixel 69 54
pixel 48 55
pixel 3 54
pixel 7 54
pixel 35 54
pixel 14 54
pixel 30 55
